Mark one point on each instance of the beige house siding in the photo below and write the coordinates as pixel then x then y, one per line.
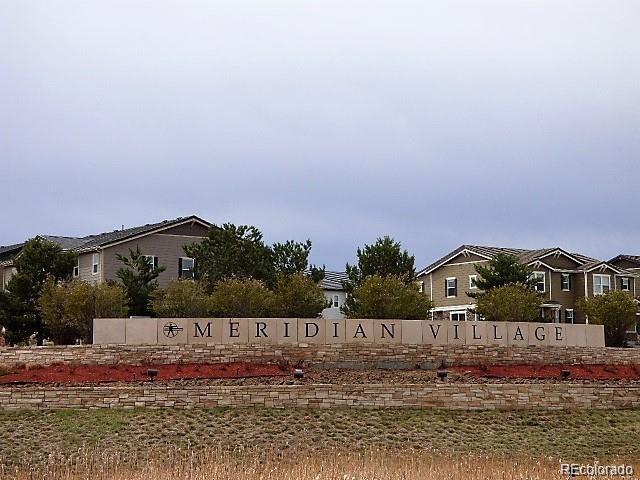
pixel 590 276
pixel 461 272
pixel 559 262
pixel 86 268
pixel 7 273
pixel 167 247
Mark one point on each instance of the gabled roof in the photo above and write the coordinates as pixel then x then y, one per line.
pixel 7 252
pixel 630 258
pixel 333 280
pixel 528 257
pixel 91 242
pixel 482 251
pixel 103 239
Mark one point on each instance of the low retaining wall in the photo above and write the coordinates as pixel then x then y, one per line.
pixel 328 356
pixel 444 396
pixel 287 331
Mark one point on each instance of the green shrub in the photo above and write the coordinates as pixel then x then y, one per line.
pixel 389 297
pixel 510 303
pixel 181 299
pixel 616 310
pixel 68 309
pixel 242 298
pixel 298 296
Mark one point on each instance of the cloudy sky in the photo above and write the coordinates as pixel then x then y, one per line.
pixel 506 123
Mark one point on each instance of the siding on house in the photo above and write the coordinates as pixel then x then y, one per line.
pixel 168 249
pixel 334 312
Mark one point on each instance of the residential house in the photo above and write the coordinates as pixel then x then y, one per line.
pixel 630 263
pixel 162 242
pixel 335 293
pixel 561 277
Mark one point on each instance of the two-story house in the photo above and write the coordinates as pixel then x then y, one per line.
pixel 561 277
pixel 162 242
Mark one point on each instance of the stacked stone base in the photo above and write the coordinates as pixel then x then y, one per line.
pixel 339 355
pixel 442 396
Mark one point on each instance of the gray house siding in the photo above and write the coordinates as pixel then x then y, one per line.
pixel 334 312
pixel 167 247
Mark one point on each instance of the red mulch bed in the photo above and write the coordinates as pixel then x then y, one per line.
pixel 130 373
pixel 578 372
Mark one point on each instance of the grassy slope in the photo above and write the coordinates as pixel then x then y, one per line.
pixel 31 436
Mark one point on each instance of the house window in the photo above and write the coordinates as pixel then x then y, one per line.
pixel 451 287
pixel 601 284
pixel 625 284
pixel 185 267
pixel 336 301
pixel 458 316
pixel 76 269
pixel 152 261
pixel 540 279
pixel 568 316
pixel 95 263
pixel 421 287
pixel 566 282
pixel 473 282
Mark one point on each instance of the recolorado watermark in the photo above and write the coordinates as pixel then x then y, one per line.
pixel 595 470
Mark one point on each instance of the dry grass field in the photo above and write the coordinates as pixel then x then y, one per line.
pixel 310 444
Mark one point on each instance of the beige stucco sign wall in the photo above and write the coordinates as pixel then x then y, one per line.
pixel 176 331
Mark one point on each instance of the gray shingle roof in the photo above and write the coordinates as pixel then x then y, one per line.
pixel 99 240
pixel 333 280
pixel 631 258
pixel 66 243
pixel 117 235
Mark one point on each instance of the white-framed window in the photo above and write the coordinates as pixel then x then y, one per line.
pixel 569 316
pixel 186 266
pixel 625 284
pixel 473 282
pixel 335 301
pixel 421 287
pixel 541 281
pixel 76 268
pixel 95 263
pixel 566 282
pixel 601 284
pixel 451 287
pixel 152 261
pixel 460 316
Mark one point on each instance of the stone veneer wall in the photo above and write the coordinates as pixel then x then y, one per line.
pixel 445 396
pixel 338 355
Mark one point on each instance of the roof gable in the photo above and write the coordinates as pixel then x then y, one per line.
pixel 117 236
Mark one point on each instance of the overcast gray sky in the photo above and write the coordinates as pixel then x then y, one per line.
pixel 505 123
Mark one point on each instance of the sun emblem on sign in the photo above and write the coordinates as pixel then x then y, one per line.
pixel 170 330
